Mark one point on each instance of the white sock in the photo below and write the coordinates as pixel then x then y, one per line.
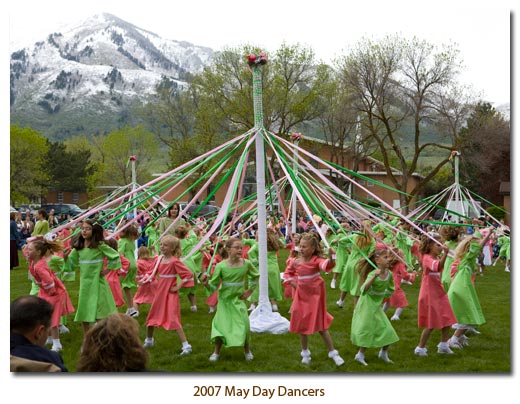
pixel 385 306
pixel 185 344
pixel 398 311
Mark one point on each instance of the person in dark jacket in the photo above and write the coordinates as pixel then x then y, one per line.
pixel 30 327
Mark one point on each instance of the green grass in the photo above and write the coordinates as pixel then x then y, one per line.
pixel 488 353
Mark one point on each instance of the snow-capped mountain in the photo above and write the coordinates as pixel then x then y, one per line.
pixel 88 78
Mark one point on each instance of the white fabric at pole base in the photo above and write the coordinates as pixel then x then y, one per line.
pixel 263 319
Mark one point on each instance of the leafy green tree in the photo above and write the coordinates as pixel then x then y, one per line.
pixel 117 148
pixel 485 159
pixel 28 152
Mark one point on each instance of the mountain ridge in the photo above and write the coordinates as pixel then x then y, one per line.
pixel 102 68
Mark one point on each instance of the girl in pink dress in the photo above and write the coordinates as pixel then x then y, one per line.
pixel 166 310
pixel 434 309
pixel 309 308
pixel 400 274
pixel 145 265
pixel 112 277
pixel 51 288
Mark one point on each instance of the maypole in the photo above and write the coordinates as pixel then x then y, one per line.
pixel 134 187
pixel 296 139
pixel 262 318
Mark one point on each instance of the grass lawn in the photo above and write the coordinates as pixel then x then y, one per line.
pixel 488 353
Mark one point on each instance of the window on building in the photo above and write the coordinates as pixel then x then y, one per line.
pixel 60 197
pixel 75 197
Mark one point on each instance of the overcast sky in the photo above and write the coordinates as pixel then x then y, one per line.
pixel 480 31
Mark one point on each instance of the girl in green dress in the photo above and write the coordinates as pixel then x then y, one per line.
pixel 371 328
pixel 230 326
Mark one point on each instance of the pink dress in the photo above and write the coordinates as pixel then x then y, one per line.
pixel 52 290
pixel 145 291
pixel 165 311
pixel 399 272
pixel 309 308
pixel 434 309
pixel 113 279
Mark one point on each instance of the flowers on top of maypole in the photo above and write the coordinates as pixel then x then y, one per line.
pixel 255 60
pixel 296 137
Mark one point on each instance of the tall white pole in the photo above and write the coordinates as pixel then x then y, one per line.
pixel 262 319
pixel 134 186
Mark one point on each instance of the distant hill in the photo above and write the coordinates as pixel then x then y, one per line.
pixel 89 79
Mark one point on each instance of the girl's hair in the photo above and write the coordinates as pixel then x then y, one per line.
pixel 175 243
pixel 463 247
pixel 143 252
pixel 113 345
pixel 367 265
pixel 450 232
pixel 97 235
pixel 365 239
pixel 229 243
pixel 44 213
pixel 245 235
pixel 314 240
pixel 130 231
pixel 273 241
pixel 181 231
pixel 111 242
pixel 42 245
pixel 426 242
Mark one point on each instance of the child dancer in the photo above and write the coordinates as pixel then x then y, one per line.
pixel 230 326
pixel 370 326
pixel 219 251
pixel 188 240
pixel 126 247
pixel 51 288
pixel 145 290
pixel 95 298
pixel 166 311
pixel 434 309
pixel 362 246
pixel 451 237
pixel 462 294
pixel 399 274
pixel 344 244
pixel 309 308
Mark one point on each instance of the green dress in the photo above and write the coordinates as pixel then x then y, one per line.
pixel 405 244
pixel 446 272
pixel 126 248
pixel 231 322
pixel 505 247
pixel 350 277
pixel 462 294
pixel 274 280
pixel 165 222
pixel 371 328
pixel 187 245
pixel 95 299
pixel 343 245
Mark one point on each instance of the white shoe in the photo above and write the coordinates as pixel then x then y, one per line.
pixel 395 318
pixel 63 329
pixel 444 348
pixel 252 307
pixel 306 356
pixel 211 309
pixel 274 307
pixel 472 330
pixel 507 269
pixel 186 350
pixel 384 356
pixel 48 341
pixel 193 309
pixel 421 351
pixel 57 347
pixel 214 357
pixel 340 303
pixel 463 340
pixel 333 284
pixel 149 342
pixel 249 356
pixel 132 312
pixel 454 342
pixel 338 360
pixel 360 358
